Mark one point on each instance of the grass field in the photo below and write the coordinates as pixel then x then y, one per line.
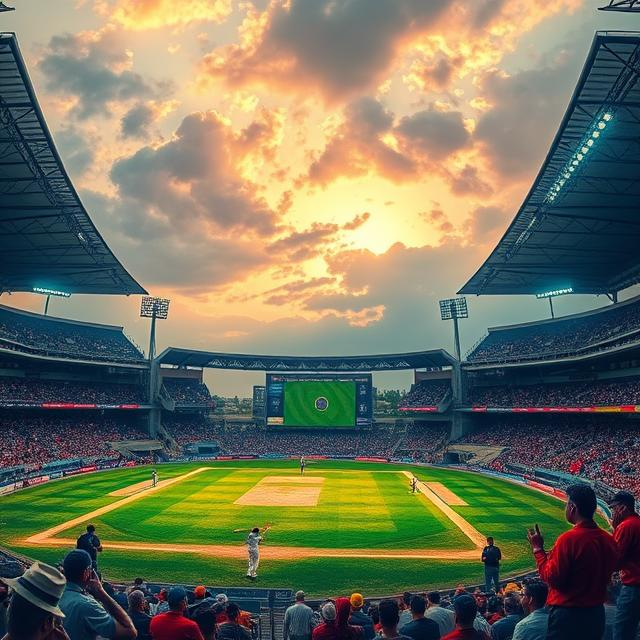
pixel 301 408
pixel 348 509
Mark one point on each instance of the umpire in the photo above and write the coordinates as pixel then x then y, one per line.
pixel 491 556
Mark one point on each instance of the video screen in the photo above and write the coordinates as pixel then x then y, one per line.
pixel 319 401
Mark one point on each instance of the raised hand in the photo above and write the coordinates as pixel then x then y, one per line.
pixel 535 538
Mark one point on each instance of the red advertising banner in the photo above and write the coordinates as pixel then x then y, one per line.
pixel 623 408
pixel 419 409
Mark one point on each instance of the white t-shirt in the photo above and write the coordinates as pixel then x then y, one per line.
pixel 253 540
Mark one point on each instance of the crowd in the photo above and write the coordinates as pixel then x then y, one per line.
pixel 557 337
pixel 587 587
pixel 188 391
pixel 424 443
pixel 603 448
pixel 37 440
pixel 22 331
pixel 427 393
pixel 573 394
pixel 38 391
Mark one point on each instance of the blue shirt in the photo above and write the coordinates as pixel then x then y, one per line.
pixel 533 627
pixel 85 618
pixel 503 629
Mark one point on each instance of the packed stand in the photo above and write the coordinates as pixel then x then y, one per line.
pixel 36 391
pixel 427 393
pixel 606 450
pixel 424 443
pixel 35 440
pixel 569 394
pixel 29 332
pixel 187 429
pixel 186 391
pixel 559 337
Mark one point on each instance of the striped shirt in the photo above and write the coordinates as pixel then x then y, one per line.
pixel 298 621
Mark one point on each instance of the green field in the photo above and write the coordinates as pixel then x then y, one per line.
pixel 360 506
pixel 338 410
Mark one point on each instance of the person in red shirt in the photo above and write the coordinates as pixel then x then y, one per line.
pixel 577 570
pixel 626 525
pixel 173 625
pixel 466 609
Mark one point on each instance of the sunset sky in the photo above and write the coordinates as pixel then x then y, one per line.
pixel 304 176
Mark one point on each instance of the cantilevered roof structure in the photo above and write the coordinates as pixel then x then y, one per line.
pixel 46 236
pixel 579 226
pixel 437 358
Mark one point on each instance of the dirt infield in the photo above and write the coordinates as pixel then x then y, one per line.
pixel 139 486
pixel 446 494
pixel 283 491
pixel 289 485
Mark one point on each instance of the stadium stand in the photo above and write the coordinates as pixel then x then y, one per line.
pixel 602 448
pixel 31 391
pixel 27 439
pixel 572 335
pixel 33 333
pixel 424 443
pixel 188 392
pixel 426 393
pixel 575 394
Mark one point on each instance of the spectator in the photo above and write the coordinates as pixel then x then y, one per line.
pixel 420 628
pixel 326 630
pixel 138 608
pixel 503 629
pixel 626 523
pixel 232 629
pixel 34 612
pixel 90 542
pixel 173 625
pixel 389 613
pixel 491 556
pixel 466 611
pixel 298 620
pixel 445 618
pixel 89 611
pixel 577 570
pixel 206 621
pixel 534 625
pixel 360 619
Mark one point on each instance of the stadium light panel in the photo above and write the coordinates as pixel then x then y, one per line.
pixel 51 292
pixel 453 308
pixel 555 292
pixel 151 307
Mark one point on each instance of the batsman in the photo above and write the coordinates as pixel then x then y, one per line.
pixel 254 539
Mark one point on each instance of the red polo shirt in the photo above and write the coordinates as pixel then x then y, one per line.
pixel 172 625
pixel 627 535
pixel 579 567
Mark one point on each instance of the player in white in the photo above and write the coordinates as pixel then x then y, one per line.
pixel 253 546
pixel 302 463
pixel 154 478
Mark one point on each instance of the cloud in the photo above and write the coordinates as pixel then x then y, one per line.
pixel 516 133
pixel 468 181
pixel 485 224
pixel 94 68
pixel 76 154
pixel 303 245
pixel 357 221
pixel 154 14
pixel 192 182
pixel 336 48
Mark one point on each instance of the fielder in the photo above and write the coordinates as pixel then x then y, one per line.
pixel 253 547
pixel 154 478
pixel 302 463
pixel 414 484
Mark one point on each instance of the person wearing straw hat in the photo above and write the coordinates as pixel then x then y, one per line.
pixel 89 611
pixel 34 613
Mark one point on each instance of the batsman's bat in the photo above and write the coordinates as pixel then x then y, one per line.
pixel 239 530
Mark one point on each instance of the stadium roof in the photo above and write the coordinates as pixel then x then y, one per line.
pixel 46 236
pixel 579 225
pixel 387 362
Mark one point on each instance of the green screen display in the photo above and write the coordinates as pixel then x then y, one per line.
pixel 319 403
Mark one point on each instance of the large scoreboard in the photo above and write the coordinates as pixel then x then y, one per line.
pixel 319 400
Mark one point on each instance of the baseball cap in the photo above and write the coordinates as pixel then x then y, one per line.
pixel 42 585
pixel 356 600
pixel 222 598
pixel 328 611
pixel 75 562
pixel 624 498
pixel 176 595
pixel 465 607
pixel 200 591
pixel 511 587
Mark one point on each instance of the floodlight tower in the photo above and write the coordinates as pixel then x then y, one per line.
pixel 156 309
pixel 49 292
pixel 553 294
pixel 453 309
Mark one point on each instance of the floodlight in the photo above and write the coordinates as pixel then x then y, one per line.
pixel 151 307
pixel 453 308
pixel 51 292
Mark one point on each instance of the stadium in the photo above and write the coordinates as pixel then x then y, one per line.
pixel 493 437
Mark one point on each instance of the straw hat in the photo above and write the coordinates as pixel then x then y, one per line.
pixel 42 585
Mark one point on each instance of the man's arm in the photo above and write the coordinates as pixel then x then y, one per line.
pixel 625 544
pixel 499 553
pixel 124 629
pixel 285 629
pixel 554 567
